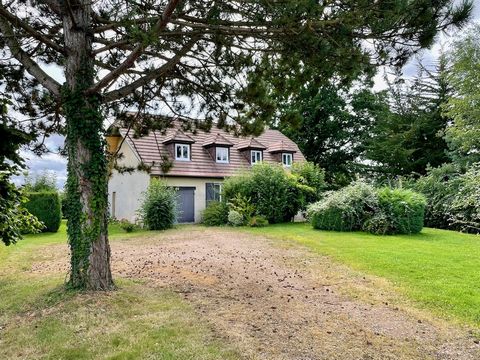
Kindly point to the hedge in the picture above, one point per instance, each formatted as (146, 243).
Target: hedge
(47, 208)
(344, 210)
(362, 207)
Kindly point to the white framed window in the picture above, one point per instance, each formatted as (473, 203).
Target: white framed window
(221, 154)
(213, 192)
(182, 152)
(255, 157)
(287, 159)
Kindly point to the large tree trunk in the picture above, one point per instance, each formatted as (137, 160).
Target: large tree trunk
(87, 201)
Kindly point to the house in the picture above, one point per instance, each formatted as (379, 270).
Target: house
(195, 163)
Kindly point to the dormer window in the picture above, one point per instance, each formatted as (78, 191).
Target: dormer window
(256, 156)
(221, 155)
(287, 159)
(182, 152)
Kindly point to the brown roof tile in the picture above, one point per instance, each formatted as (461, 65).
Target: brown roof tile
(251, 143)
(217, 139)
(152, 147)
(178, 136)
(282, 146)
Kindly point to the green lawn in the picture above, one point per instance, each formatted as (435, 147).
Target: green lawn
(438, 269)
(40, 320)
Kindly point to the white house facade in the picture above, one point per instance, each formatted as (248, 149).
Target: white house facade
(200, 161)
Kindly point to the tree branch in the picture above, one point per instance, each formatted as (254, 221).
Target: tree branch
(31, 66)
(137, 52)
(17, 22)
(152, 75)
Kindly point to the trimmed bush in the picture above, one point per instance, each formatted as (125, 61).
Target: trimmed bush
(159, 206)
(273, 192)
(46, 207)
(216, 214)
(235, 218)
(346, 209)
(403, 210)
(378, 224)
(361, 207)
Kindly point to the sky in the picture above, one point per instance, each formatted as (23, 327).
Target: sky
(54, 163)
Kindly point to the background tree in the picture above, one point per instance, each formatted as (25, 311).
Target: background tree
(463, 135)
(330, 124)
(409, 134)
(187, 57)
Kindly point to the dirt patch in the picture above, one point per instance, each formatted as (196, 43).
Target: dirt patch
(282, 303)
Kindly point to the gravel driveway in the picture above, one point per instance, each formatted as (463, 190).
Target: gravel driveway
(282, 302)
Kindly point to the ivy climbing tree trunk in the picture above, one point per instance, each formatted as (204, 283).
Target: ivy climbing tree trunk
(87, 202)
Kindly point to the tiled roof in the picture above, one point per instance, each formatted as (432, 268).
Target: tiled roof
(217, 139)
(178, 136)
(152, 147)
(251, 143)
(282, 146)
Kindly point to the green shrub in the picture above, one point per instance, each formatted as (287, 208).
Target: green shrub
(258, 221)
(403, 210)
(243, 206)
(158, 210)
(273, 192)
(127, 226)
(216, 214)
(453, 197)
(235, 218)
(465, 206)
(344, 210)
(45, 206)
(377, 224)
(440, 187)
(311, 175)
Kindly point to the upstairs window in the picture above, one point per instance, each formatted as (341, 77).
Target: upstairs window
(287, 159)
(255, 157)
(182, 152)
(221, 154)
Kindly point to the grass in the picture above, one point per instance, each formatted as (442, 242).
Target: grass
(39, 319)
(438, 269)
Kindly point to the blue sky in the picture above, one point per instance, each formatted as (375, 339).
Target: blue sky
(55, 163)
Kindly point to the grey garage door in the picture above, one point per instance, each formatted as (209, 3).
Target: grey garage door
(186, 204)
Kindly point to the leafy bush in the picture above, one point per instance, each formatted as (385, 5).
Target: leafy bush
(158, 210)
(311, 175)
(258, 221)
(361, 207)
(15, 220)
(45, 206)
(453, 197)
(275, 193)
(344, 210)
(216, 214)
(441, 187)
(127, 226)
(243, 206)
(377, 224)
(401, 211)
(465, 206)
(235, 218)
